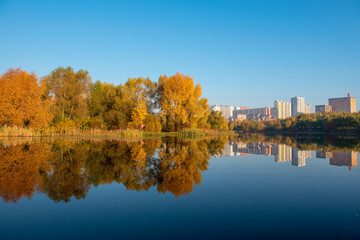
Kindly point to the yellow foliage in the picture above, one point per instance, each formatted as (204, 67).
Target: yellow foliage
(181, 105)
(20, 100)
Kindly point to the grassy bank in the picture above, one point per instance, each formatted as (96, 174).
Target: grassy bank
(6, 131)
(196, 133)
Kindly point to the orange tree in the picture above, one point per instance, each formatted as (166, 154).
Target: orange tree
(20, 100)
(181, 103)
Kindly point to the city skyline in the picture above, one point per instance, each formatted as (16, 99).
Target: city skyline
(284, 109)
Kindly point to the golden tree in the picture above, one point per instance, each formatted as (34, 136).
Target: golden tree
(138, 115)
(20, 100)
(181, 103)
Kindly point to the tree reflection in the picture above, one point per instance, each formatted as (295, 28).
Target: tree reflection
(67, 176)
(180, 165)
(64, 169)
(20, 168)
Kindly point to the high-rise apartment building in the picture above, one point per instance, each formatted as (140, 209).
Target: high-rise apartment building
(298, 106)
(283, 109)
(347, 104)
(227, 111)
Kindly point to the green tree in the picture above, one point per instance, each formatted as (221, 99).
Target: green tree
(69, 90)
(216, 120)
(100, 103)
(137, 95)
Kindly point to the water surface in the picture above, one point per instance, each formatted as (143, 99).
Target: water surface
(245, 188)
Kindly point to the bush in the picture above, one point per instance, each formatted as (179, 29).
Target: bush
(152, 123)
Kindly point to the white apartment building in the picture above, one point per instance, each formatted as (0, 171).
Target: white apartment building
(283, 109)
(298, 106)
(227, 111)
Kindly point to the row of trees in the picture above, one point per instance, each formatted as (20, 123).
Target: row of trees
(66, 169)
(324, 122)
(69, 99)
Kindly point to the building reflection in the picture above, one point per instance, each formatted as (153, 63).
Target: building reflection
(344, 159)
(281, 152)
(323, 154)
(299, 157)
(285, 153)
(339, 158)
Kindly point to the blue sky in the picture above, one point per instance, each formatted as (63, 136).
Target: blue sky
(245, 53)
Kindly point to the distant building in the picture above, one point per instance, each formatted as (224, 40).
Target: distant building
(239, 117)
(255, 113)
(323, 108)
(308, 109)
(347, 104)
(283, 109)
(240, 108)
(227, 111)
(297, 106)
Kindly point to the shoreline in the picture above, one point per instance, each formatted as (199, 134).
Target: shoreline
(341, 133)
(112, 134)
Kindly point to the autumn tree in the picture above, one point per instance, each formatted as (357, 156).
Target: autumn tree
(100, 103)
(21, 100)
(152, 123)
(132, 102)
(216, 120)
(69, 90)
(181, 103)
(138, 115)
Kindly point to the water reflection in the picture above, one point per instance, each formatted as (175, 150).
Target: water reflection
(296, 150)
(281, 152)
(66, 169)
(63, 169)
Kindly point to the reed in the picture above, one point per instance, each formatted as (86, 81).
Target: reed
(7, 131)
(191, 133)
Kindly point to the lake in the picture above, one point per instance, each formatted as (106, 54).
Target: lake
(251, 187)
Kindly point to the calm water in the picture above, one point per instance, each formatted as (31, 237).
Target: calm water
(262, 188)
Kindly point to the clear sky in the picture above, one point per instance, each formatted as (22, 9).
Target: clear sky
(244, 53)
